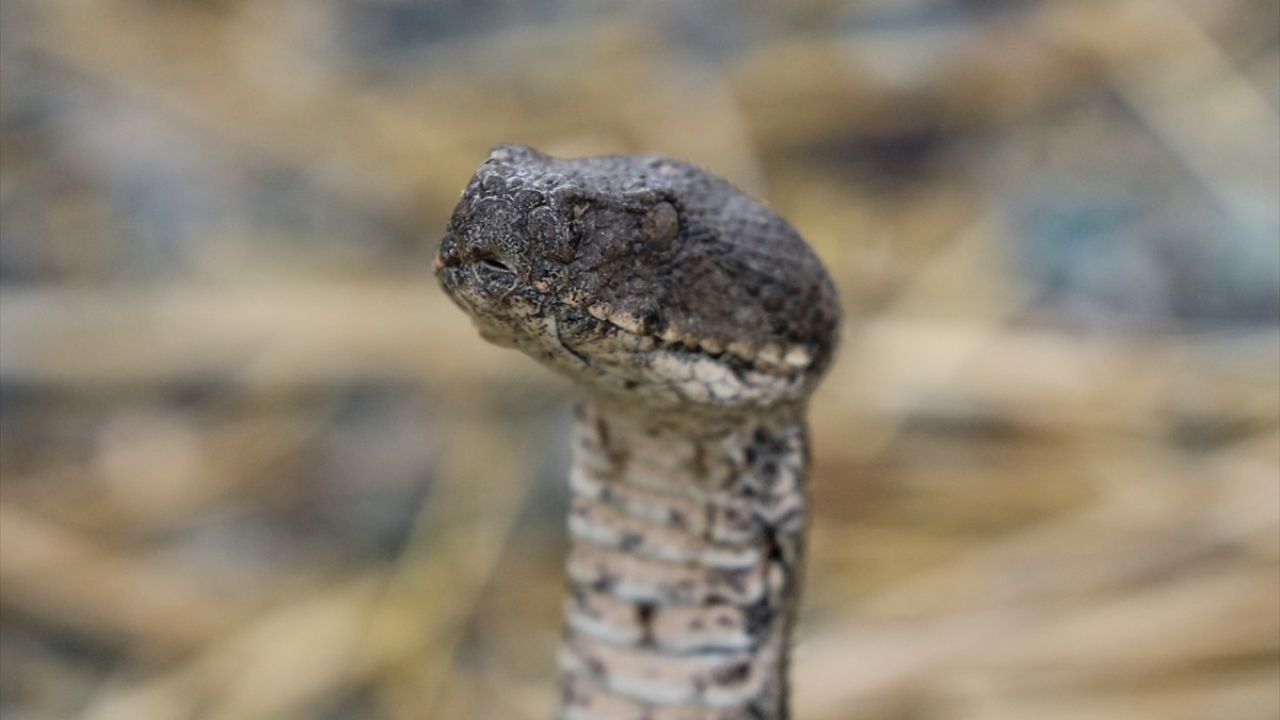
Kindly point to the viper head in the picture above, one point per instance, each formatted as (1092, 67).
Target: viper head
(643, 277)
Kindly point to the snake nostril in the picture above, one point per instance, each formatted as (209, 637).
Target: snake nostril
(495, 264)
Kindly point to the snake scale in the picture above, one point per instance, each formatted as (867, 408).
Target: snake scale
(696, 322)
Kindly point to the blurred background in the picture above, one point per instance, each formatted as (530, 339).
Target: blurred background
(256, 466)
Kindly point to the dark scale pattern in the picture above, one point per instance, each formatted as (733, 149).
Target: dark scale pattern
(684, 638)
(720, 270)
(697, 322)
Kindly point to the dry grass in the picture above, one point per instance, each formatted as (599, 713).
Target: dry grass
(255, 466)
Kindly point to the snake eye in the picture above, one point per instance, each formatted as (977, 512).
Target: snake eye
(662, 226)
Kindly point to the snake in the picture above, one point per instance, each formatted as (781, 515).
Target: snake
(695, 323)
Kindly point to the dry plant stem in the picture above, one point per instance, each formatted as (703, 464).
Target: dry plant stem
(684, 566)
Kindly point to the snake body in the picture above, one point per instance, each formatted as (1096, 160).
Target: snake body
(697, 323)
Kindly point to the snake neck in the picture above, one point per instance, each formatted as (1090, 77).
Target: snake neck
(684, 568)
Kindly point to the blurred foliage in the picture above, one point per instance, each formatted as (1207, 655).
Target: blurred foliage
(255, 466)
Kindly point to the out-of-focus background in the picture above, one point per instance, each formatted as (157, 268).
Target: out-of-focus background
(256, 467)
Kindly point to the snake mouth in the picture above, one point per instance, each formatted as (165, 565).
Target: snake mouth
(645, 369)
(618, 348)
(768, 357)
(484, 287)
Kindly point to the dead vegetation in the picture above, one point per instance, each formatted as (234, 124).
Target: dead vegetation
(256, 467)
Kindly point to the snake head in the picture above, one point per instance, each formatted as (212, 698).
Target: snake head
(643, 277)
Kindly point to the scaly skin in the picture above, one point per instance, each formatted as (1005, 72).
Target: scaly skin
(697, 323)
